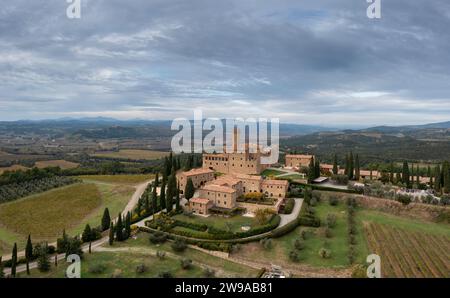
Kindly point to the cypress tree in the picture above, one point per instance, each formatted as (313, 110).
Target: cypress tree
(446, 176)
(350, 166)
(177, 198)
(171, 191)
(317, 168)
(29, 253)
(156, 180)
(405, 175)
(437, 179)
(162, 196)
(56, 260)
(347, 165)
(357, 168)
(128, 225)
(147, 203)
(335, 165)
(2, 274)
(189, 190)
(106, 220)
(119, 228)
(14, 260)
(43, 259)
(311, 171)
(154, 200)
(111, 233)
(391, 172)
(87, 233)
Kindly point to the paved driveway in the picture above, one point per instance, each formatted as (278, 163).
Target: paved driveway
(287, 218)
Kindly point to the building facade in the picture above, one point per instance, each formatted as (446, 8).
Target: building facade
(199, 178)
(298, 160)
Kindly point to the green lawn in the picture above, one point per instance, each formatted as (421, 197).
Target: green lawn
(291, 177)
(231, 268)
(123, 264)
(338, 244)
(233, 223)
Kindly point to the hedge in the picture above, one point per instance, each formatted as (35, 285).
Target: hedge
(289, 207)
(325, 188)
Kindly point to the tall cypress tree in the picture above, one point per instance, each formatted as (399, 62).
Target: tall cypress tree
(311, 171)
(154, 200)
(111, 233)
(317, 168)
(446, 176)
(87, 233)
(405, 175)
(350, 166)
(128, 225)
(156, 180)
(119, 228)
(437, 179)
(14, 260)
(177, 198)
(29, 253)
(162, 196)
(171, 191)
(2, 274)
(335, 165)
(106, 220)
(189, 190)
(357, 168)
(391, 172)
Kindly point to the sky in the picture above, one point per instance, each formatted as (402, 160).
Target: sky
(321, 62)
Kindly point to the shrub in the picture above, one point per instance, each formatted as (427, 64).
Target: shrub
(304, 234)
(331, 220)
(142, 268)
(158, 237)
(317, 195)
(325, 253)
(313, 202)
(179, 245)
(117, 274)
(293, 256)
(253, 196)
(186, 264)
(209, 273)
(165, 274)
(97, 269)
(333, 200)
(309, 221)
(328, 232)
(352, 239)
(266, 243)
(289, 206)
(352, 230)
(161, 254)
(299, 244)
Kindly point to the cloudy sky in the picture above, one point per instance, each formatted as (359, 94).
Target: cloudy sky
(313, 62)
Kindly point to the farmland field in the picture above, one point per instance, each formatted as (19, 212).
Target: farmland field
(63, 164)
(132, 154)
(408, 253)
(118, 179)
(12, 168)
(69, 208)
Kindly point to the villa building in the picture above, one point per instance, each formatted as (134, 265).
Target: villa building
(298, 160)
(200, 206)
(199, 177)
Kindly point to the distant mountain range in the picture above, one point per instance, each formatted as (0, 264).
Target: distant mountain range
(98, 126)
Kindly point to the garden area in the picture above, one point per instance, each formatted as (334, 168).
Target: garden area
(215, 227)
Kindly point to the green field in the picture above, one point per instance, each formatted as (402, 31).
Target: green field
(230, 268)
(338, 244)
(133, 154)
(45, 215)
(118, 179)
(232, 224)
(126, 256)
(120, 264)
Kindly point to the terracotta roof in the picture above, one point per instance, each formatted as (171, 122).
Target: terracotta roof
(198, 171)
(247, 177)
(218, 188)
(199, 201)
(224, 181)
(326, 166)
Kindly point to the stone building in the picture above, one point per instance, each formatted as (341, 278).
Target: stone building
(200, 205)
(199, 178)
(298, 160)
